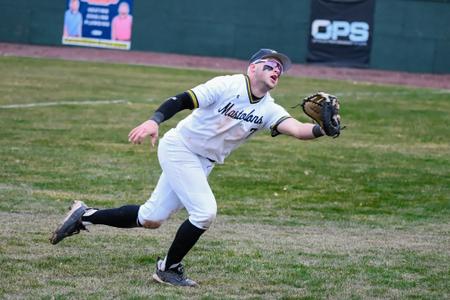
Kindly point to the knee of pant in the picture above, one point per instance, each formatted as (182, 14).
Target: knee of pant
(151, 224)
(203, 220)
(148, 219)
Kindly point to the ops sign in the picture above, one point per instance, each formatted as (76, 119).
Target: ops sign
(340, 32)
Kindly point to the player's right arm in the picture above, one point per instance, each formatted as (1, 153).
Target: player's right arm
(167, 109)
(202, 95)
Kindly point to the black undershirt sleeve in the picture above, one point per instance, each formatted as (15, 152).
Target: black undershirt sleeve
(171, 106)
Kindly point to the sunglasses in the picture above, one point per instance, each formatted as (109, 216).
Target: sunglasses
(270, 65)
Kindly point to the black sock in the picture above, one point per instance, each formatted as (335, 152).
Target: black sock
(122, 217)
(186, 237)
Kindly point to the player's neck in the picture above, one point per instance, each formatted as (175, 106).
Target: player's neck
(258, 89)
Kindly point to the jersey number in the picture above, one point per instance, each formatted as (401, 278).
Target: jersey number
(252, 131)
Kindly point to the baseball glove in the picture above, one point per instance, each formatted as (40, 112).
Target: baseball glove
(323, 108)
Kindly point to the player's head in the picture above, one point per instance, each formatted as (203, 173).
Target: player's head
(267, 65)
(266, 54)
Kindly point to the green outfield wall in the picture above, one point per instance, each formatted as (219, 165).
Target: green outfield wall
(408, 35)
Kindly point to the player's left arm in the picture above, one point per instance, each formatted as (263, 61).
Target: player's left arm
(297, 129)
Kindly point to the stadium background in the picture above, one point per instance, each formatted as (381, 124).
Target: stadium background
(365, 216)
(409, 35)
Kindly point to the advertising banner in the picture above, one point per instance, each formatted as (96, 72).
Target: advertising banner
(341, 32)
(98, 23)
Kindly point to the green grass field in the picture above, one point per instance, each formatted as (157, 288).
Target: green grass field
(364, 216)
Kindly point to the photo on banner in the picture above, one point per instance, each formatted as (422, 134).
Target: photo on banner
(98, 23)
(341, 32)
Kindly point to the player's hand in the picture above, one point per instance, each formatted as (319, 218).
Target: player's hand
(148, 128)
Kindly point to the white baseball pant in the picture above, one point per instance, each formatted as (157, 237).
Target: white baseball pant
(183, 183)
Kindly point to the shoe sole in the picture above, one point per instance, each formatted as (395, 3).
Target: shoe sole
(76, 212)
(159, 280)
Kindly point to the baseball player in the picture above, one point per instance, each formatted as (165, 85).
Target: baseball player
(226, 112)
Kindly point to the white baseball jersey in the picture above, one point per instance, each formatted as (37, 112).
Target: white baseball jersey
(226, 115)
